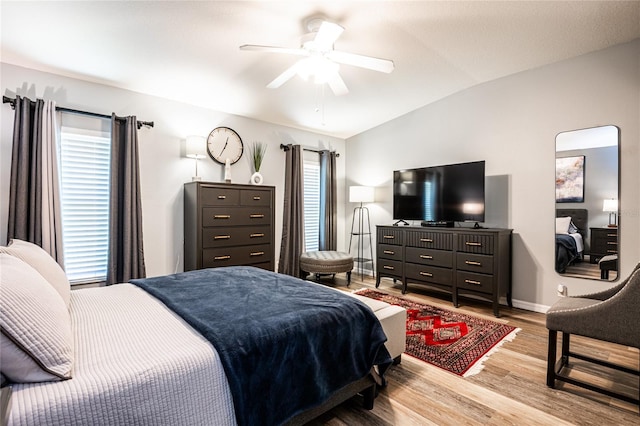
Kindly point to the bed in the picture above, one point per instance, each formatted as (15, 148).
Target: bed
(571, 229)
(135, 361)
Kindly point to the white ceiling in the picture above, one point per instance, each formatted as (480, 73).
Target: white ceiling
(188, 51)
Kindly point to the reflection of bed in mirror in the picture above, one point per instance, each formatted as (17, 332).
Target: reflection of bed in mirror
(571, 231)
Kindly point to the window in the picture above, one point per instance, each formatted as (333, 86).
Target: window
(84, 189)
(311, 204)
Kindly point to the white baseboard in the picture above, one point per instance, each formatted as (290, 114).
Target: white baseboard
(528, 306)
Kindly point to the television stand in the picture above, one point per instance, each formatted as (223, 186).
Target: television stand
(401, 221)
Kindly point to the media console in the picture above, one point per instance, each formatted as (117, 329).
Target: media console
(457, 260)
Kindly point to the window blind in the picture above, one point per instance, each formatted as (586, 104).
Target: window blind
(84, 179)
(311, 205)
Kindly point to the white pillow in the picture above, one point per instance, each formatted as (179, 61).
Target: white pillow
(36, 343)
(562, 225)
(42, 262)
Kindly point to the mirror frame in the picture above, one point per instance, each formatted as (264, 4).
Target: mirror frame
(601, 270)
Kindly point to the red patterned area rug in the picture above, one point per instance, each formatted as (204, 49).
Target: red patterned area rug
(453, 341)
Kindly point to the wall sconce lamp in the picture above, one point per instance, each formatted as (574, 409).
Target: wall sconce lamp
(196, 149)
(611, 206)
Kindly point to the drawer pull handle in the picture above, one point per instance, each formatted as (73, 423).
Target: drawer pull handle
(426, 240)
(391, 268)
(256, 216)
(612, 251)
(256, 235)
(612, 243)
(222, 216)
(222, 197)
(612, 235)
(471, 262)
(425, 256)
(388, 237)
(256, 253)
(222, 258)
(222, 237)
(473, 282)
(469, 243)
(389, 252)
(426, 274)
(257, 198)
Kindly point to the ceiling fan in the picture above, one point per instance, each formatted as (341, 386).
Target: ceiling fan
(320, 60)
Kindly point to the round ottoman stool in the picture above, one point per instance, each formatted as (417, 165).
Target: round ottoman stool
(326, 262)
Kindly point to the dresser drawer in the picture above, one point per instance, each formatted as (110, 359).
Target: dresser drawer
(231, 256)
(432, 240)
(429, 257)
(481, 263)
(219, 196)
(256, 197)
(477, 282)
(235, 236)
(429, 273)
(476, 243)
(390, 236)
(223, 216)
(390, 267)
(387, 251)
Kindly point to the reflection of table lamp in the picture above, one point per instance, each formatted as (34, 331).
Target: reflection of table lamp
(473, 209)
(611, 206)
(196, 148)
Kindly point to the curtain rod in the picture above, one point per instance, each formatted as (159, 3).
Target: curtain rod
(286, 148)
(12, 102)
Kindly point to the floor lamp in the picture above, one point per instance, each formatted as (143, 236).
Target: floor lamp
(361, 194)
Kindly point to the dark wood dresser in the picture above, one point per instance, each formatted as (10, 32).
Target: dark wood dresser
(228, 225)
(457, 260)
(604, 241)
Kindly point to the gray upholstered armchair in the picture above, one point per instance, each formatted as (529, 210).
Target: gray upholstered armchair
(612, 315)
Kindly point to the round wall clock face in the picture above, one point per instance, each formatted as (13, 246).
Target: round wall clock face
(224, 143)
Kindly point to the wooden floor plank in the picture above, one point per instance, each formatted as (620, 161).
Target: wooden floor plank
(511, 389)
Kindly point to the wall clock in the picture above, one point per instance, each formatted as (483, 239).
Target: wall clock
(224, 143)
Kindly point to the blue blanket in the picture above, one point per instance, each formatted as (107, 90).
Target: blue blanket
(286, 345)
(566, 252)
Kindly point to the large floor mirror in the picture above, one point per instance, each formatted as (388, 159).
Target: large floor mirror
(587, 196)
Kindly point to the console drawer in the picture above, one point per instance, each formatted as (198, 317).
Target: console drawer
(223, 216)
(477, 282)
(218, 236)
(432, 240)
(231, 256)
(429, 257)
(387, 251)
(219, 196)
(255, 197)
(390, 236)
(476, 243)
(481, 263)
(432, 274)
(390, 267)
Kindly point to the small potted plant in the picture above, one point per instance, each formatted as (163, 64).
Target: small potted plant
(258, 151)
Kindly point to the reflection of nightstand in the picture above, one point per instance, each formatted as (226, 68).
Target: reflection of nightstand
(604, 241)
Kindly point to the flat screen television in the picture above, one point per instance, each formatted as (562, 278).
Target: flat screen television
(448, 193)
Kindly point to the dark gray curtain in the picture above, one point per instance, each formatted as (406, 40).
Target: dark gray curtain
(126, 254)
(328, 238)
(292, 244)
(25, 193)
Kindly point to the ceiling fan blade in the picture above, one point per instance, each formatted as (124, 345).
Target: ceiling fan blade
(274, 49)
(337, 85)
(368, 62)
(284, 77)
(328, 34)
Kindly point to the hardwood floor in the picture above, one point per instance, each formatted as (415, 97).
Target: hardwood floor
(511, 389)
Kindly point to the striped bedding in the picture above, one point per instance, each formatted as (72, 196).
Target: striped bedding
(136, 363)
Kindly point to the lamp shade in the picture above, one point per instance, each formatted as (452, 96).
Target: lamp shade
(196, 147)
(361, 194)
(610, 205)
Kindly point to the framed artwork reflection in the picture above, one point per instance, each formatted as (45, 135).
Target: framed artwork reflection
(570, 179)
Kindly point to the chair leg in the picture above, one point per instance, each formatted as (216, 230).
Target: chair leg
(565, 348)
(551, 358)
(348, 278)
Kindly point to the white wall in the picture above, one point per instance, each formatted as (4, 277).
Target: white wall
(512, 124)
(162, 165)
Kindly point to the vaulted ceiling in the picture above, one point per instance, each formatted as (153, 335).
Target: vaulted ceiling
(189, 51)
